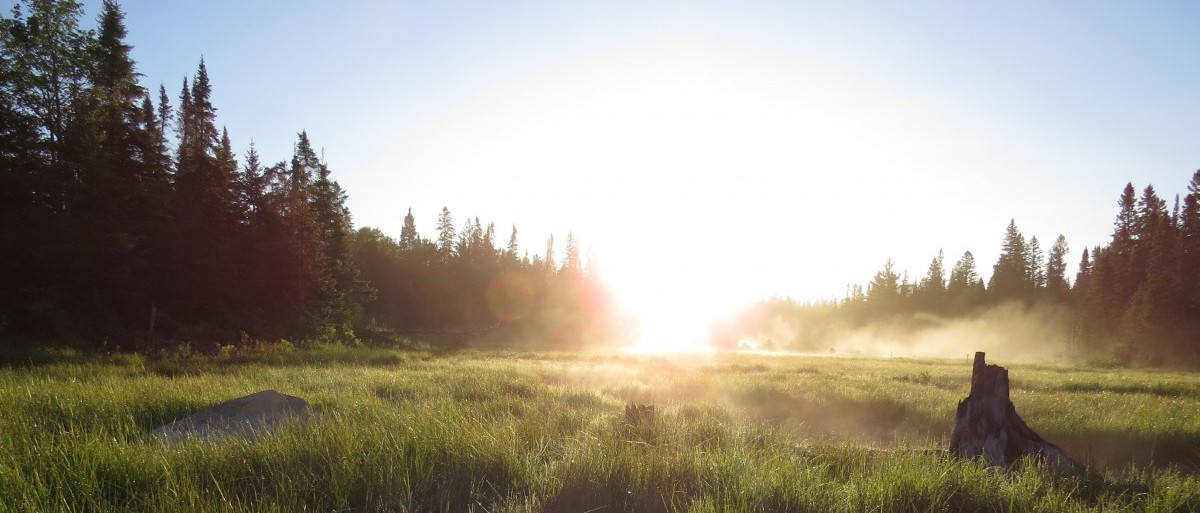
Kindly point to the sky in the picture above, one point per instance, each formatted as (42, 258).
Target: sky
(709, 154)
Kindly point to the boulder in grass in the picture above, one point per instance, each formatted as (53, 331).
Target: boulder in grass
(244, 416)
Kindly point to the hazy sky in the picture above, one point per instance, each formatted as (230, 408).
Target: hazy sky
(711, 153)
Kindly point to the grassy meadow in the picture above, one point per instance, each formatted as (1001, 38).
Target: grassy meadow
(491, 431)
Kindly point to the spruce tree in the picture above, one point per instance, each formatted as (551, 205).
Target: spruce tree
(408, 233)
(330, 315)
(512, 243)
(227, 169)
(291, 256)
(572, 265)
(935, 277)
(550, 262)
(1036, 262)
(930, 292)
(165, 116)
(1010, 275)
(205, 215)
(1085, 269)
(1121, 250)
(965, 288)
(963, 276)
(1056, 269)
(883, 293)
(251, 187)
(123, 181)
(203, 114)
(446, 235)
(1189, 225)
(1126, 223)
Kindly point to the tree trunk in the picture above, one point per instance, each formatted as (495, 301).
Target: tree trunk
(987, 425)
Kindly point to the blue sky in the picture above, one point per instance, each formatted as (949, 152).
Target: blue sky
(730, 150)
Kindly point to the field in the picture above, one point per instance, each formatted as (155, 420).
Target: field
(488, 431)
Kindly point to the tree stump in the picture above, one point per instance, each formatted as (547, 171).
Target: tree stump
(987, 425)
(639, 413)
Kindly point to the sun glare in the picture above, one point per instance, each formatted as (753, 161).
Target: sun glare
(704, 177)
(672, 311)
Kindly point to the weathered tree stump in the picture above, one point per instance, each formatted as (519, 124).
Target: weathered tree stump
(987, 425)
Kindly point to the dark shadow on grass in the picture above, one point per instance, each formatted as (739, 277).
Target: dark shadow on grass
(151, 416)
(1117, 450)
(1154, 389)
(842, 418)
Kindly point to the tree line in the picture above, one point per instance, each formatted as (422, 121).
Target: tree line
(1136, 299)
(127, 219)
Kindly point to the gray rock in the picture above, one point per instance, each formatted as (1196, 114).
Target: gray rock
(244, 416)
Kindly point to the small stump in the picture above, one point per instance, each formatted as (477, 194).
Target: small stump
(987, 425)
(639, 413)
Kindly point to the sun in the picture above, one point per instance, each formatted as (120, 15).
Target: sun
(668, 332)
(672, 310)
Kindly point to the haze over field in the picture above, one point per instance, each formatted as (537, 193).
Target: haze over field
(712, 154)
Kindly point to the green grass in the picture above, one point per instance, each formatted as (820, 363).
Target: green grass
(546, 432)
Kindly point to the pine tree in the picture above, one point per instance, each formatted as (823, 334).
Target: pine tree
(227, 167)
(153, 146)
(1010, 275)
(1149, 328)
(252, 186)
(935, 277)
(964, 290)
(123, 184)
(1151, 215)
(446, 235)
(183, 125)
(883, 293)
(408, 232)
(1036, 262)
(1189, 225)
(113, 68)
(1122, 250)
(289, 255)
(964, 276)
(512, 243)
(931, 290)
(203, 114)
(330, 315)
(1056, 269)
(489, 240)
(165, 115)
(470, 240)
(572, 264)
(305, 164)
(1125, 226)
(206, 215)
(1085, 269)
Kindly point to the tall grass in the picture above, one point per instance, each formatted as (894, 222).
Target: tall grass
(546, 432)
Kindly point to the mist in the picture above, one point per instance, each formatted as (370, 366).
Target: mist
(1020, 332)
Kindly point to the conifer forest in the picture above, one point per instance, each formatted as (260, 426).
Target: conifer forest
(128, 220)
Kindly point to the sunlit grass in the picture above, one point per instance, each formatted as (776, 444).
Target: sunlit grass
(546, 432)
